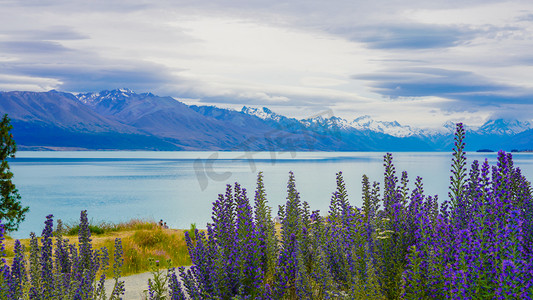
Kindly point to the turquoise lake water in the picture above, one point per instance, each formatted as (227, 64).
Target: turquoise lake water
(179, 187)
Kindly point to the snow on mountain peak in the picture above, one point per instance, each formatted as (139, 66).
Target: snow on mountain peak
(364, 123)
(262, 113)
(122, 92)
(366, 119)
(391, 128)
(504, 127)
(95, 98)
(331, 122)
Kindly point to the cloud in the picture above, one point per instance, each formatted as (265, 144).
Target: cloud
(98, 75)
(455, 58)
(75, 6)
(31, 47)
(528, 17)
(409, 36)
(79, 71)
(277, 95)
(516, 112)
(68, 59)
(321, 81)
(462, 86)
(55, 33)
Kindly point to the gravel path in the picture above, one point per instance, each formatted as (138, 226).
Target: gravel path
(134, 284)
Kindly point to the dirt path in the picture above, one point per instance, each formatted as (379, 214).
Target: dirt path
(134, 284)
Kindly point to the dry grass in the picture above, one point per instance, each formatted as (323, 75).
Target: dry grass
(141, 240)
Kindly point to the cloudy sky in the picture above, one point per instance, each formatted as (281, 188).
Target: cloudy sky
(418, 62)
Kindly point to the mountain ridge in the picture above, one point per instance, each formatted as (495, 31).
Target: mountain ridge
(124, 120)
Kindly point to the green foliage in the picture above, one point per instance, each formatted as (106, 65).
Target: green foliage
(156, 243)
(410, 249)
(95, 229)
(157, 285)
(371, 199)
(457, 179)
(417, 281)
(367, 286)
(109, 227)
(63, 271)
(192, 232)
(12, 213)
(150, 239)
(266, 229)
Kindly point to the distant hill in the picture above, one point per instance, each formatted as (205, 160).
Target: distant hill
(55, 120)
(521, 141)
(124, 120)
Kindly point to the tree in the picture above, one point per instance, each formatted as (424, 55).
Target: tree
(11, 211)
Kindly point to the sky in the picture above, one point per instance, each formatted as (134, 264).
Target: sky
(421, 63)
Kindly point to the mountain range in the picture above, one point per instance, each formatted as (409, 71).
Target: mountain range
(124, 120)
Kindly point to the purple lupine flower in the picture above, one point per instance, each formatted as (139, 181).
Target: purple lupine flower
(118, 261)
(2, 247)
(84, 238)
(174, 286)
(18, 271)
(46, 261)
(475, 244)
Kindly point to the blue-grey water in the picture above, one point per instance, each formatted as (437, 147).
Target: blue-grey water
(179, 187)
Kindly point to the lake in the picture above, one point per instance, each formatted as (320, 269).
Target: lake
(179, 187)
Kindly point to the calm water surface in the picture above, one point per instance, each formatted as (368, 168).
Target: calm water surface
(179, 187)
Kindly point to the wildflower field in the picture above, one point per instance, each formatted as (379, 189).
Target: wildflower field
(401, 244)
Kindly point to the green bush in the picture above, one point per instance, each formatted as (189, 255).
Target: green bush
(95, 229)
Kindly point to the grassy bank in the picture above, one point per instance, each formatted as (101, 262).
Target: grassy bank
(141, 240)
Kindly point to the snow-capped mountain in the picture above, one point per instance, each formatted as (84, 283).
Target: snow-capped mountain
(272, 119)
(446, 129)
(262, 113)
(330, 123)
(504, 127)
(499, 127)
(364, 123)
(391, 128)
(123, 119)
(95, 98)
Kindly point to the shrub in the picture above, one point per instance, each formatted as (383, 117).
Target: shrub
(107, 227)
(94, 229)
(63, 271)
(159, 244)
(192, 232)
(400, 244)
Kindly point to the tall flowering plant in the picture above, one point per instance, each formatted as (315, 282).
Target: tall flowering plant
(401, 244)
(237, 256)
(66, 272)
(479, 246)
